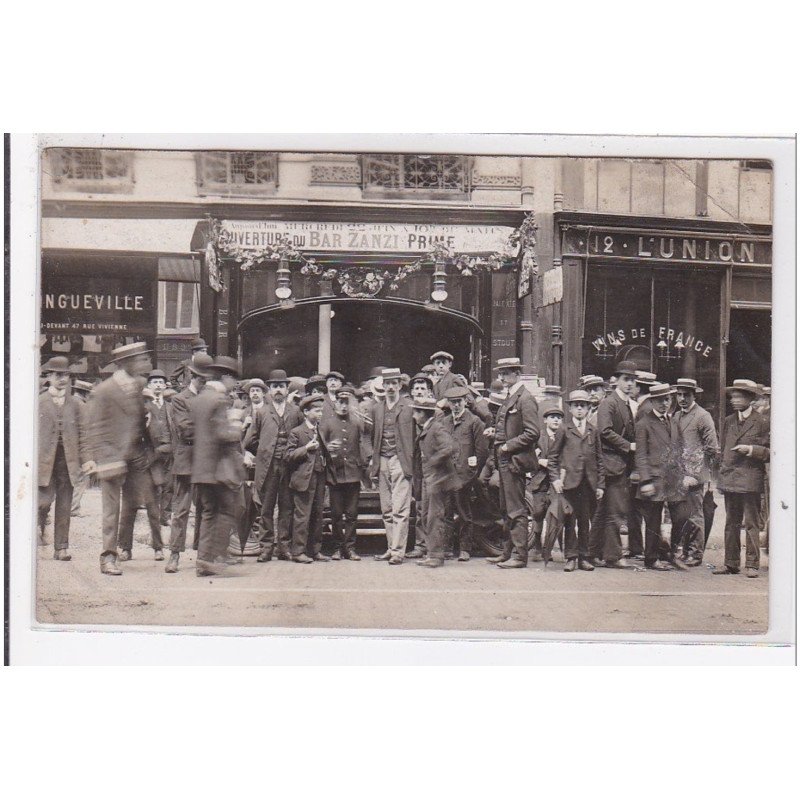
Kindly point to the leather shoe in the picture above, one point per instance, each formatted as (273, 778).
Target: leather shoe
(571, 565)
(205, 568)
(585, 564)
(172, 564)
(497, 559)
(125, 555)
(693, 562)
(678, 565)
(431, 562)
(659, 566)
(302, 559)
(395, 560)
(512, 563)
(723, 570)
(284, 555)
(265, 555)
(596, 562)
(536, 555)
(751, 573)
(351, 555)
(320, 557)
(384, 556)
(159, 555)
(62, 555)
(336, 555)
(110, 567)
(463, 556)
(615, 564)
(416, 553)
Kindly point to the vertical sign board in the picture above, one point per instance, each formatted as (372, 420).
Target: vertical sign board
(504, 315)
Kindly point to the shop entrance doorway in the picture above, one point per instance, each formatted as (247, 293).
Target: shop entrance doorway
(750, 348)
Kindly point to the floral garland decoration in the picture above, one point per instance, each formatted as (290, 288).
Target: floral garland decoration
(367, 281)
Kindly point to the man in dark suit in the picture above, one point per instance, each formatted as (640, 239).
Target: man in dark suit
(307, 458)
(159, 426)
(436, 450)
(182, 445)
(617, 441)
(446, 380)
(348, 448)
(471, 449)
(217, 465)
(118, 449)
(267, 438)
(63, 452)
(516, 434)
(658, 463)
(333, 382)
(745, 450)
(576, 470)
(594, 386)
(392, 463)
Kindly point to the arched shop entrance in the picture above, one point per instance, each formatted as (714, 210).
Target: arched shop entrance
(357, 335)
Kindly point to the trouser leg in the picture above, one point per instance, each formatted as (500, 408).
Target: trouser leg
(197, 499)
(132, 496)
(165, 499)
(512, 491)
(462, 499)
(153, 508)
(301, 520)
(734, 513)
(285, 510)
(336, 494)
(653, 547)
(435, 523)
(692, 530)
(208, 500)
(269, 497)
(582, 499)
(181, 505)
(228, 504)
(352, 494)
(400, 487)
(314, 544)
(617, 501)
(111, 490)
(635, 518)
(385, 497)
(77, 492)
(63, 487)
(598, 530)
(752, 528)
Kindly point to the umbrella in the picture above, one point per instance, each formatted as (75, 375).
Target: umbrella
(559, 509)
(709, 507)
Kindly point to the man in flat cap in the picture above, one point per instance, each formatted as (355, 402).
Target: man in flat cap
(118, 449)
(593, 385)
(64, 456)
(182, 447)
(348, 448)
(421, 386)
(699, 454)
(308, 459)
(443, 362)
(333, 382)
(470, 451)
(392, 463)
(745, 450)
(267, 439)
(615, 423)
(516, 434)
(217, 465)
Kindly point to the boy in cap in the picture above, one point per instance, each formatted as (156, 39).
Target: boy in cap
(470, 451)
(182, 446)
(576, 470)
(421, 388)
(699, 452)
(64, 456)
(443, 362)
(307, 457)
(118, 449)
(745, 450)
(438, 478)
(537, 492)
(348, 448)
(217, 465)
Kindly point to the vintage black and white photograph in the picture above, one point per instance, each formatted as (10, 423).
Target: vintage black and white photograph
(374, 390)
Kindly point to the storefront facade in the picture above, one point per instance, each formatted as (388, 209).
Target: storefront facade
(681, 298)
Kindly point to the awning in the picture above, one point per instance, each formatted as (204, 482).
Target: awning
(185, 270)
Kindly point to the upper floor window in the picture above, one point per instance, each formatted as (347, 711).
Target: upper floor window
(91, 170)
(244, 172)
(178, 307)
(434, 175)
(757, 164)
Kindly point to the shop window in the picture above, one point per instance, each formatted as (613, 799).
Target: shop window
(237, 173)
(402, 174)
(91, 170)
(178, 307)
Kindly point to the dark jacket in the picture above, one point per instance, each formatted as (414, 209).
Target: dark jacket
(699, 444)
(262, 436)
(658, 462)
(217, 456)
(159, 441)
(517, 427)
(303, 462)
(116, 427)
(737, 472)
(577, 457)
(436, 450)
(346, 462)
(468, 440)
(182, 431)
(540, 477)
(73, 436)
(404, 431)
(449, 381)
(617, 431)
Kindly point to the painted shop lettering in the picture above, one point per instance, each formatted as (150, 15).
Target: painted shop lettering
(677, 248)
(680, 340)
(95, 302)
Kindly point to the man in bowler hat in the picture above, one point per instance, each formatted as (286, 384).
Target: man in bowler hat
(63, 452)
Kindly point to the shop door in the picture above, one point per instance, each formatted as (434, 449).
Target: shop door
(750, 349)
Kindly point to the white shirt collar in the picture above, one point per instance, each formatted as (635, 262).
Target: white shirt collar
(746, 413)
(515, 388)
(622, 395)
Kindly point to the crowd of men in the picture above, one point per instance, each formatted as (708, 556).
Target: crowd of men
(609, 460)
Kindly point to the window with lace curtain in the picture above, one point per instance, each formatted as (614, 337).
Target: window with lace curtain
(237, 173)
(91, 170)
(444, 176)
(178, 307)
